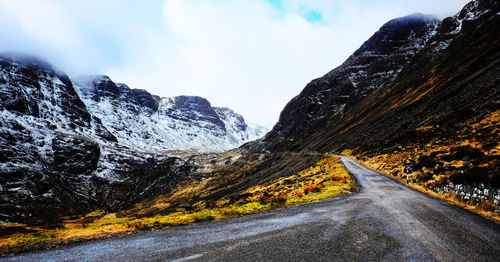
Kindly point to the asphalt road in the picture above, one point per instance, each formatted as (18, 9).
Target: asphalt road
(385, 221)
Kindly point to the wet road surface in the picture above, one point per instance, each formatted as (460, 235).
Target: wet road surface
(385, 221)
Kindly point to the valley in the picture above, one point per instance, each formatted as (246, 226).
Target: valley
(384, 221)
(393, 155)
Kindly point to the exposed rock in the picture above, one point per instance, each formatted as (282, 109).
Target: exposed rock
(375, 64)
(141, 120)
(60, 155)
(391, 86)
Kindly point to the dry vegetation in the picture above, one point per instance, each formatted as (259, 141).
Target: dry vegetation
(470, 156)
(328, 178)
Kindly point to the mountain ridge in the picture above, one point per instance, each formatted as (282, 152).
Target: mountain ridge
(377, 62)
(57, 157)
(436, 119)
(158, 123)
(419, 97)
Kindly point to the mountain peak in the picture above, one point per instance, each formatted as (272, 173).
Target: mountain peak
(142, 120)
(192, 101)
(90, 79)
(30, 61)
(397, 33)
(375, 64)
(413, 18)
(98, 85)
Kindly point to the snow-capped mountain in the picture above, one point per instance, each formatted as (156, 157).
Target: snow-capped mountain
(414, 71)
(66, 151)
(147, 122)
(374, 65)
(50, 145)
(67, 147)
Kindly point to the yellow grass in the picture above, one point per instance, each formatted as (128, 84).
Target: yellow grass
(103, 225)
(471, 135)
(377, 163)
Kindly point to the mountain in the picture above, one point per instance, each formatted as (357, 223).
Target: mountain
(292, 145)
(420, 95)
(69, 149)
(374, 65)
(45, 138)
(141, 120)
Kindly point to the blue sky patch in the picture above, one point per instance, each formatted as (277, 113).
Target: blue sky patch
(277, 4)
(313, 16)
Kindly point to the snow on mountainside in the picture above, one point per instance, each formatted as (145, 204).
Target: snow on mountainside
(452, 26)
(60, 155)
(236, 127)
(49, 149)
(374, 65)
(141, 120)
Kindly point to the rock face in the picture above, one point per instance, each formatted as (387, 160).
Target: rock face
(67, 149)
(340, 110)
(141, 120)
(46, 145)
(474, 194)
(374, 65)
(414, 74)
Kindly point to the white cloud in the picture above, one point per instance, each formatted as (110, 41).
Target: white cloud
(247, 55)
(50, 28)
(251, 61)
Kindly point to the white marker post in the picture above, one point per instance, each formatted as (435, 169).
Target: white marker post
(407, 171)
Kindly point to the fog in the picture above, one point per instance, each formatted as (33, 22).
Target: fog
(251, 56)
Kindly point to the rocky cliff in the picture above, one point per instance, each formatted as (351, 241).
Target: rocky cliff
(141, 120)
(420, 94)
(374, 65)
(70, 148)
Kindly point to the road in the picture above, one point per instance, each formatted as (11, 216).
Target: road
(385, 221)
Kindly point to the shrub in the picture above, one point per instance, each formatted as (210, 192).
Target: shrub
(203, 216)
(137, 225)
(229, 211)
(337, 177)
(264, 200)
(278, 200)
(47, 235)
(299, 194)
(313, 188)
(487, 205)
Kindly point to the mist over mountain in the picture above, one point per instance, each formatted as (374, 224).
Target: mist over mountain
(72, 146)
(419, 97)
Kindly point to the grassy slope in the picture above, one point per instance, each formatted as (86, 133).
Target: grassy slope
(327, 178)
(483, 208)
(470, 155)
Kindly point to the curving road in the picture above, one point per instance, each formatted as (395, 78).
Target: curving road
(385, 221)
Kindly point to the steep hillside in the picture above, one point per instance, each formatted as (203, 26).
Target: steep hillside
(421, 96)
(48, 155)
(141, 120)
(60, 155)
(375, 64)
(435, 115)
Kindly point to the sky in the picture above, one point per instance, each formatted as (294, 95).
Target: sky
(252, 56)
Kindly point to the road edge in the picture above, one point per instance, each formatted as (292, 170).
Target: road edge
(400, 181)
